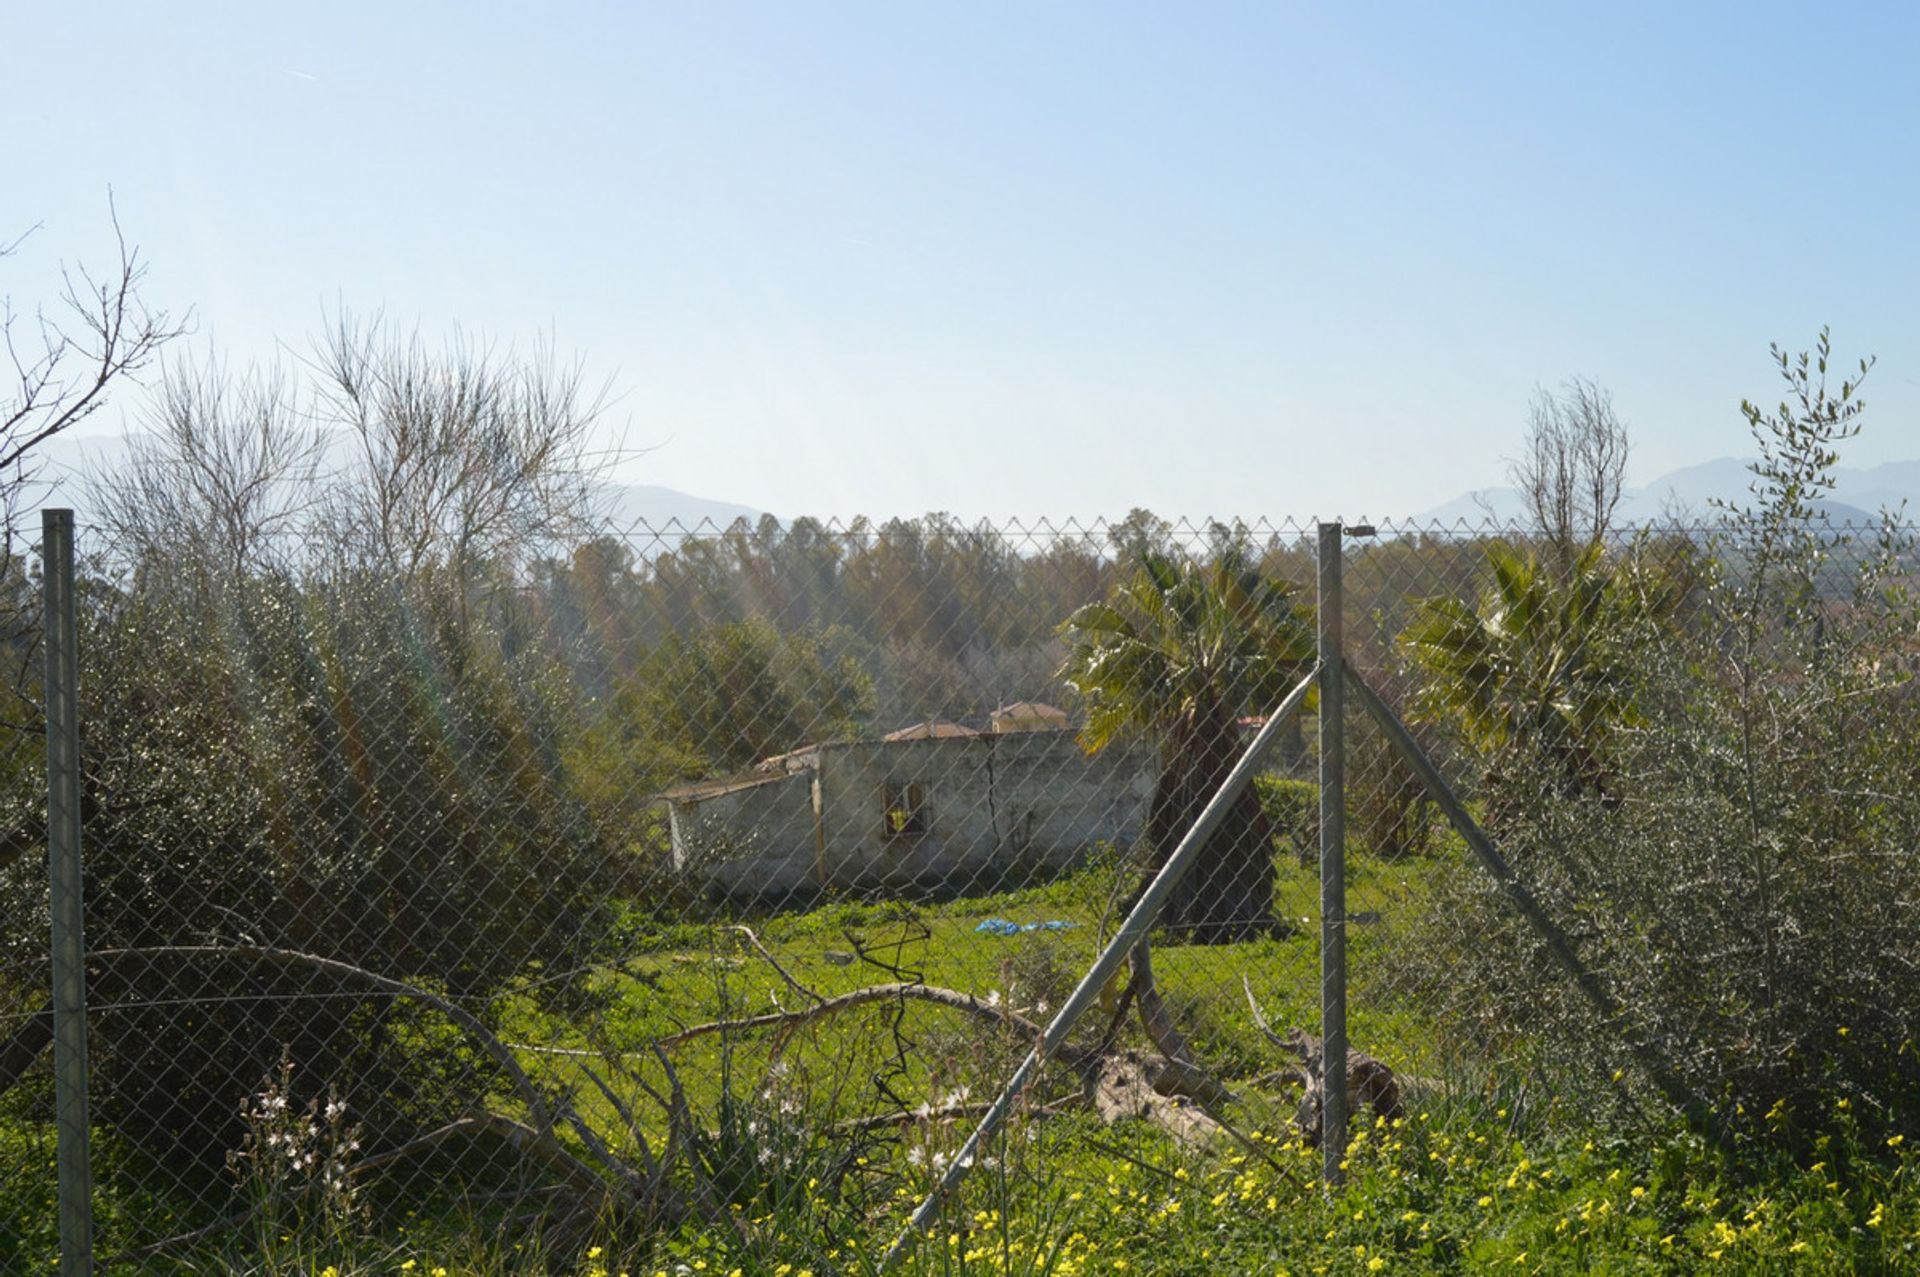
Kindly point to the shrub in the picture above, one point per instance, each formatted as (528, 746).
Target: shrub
(1739, 882)
(344, 769)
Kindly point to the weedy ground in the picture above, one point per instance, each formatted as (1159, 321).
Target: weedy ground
(1469, 1180)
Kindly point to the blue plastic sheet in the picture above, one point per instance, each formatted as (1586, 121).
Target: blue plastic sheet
(1001, 927)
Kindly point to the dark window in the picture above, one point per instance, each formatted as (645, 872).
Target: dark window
(906, 812)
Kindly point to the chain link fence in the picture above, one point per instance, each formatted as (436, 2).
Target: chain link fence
(719, 879)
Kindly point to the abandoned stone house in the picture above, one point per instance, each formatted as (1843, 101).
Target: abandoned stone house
(940, 811)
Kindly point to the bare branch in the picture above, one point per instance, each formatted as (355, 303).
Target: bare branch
(773, 962)
(225, 478)
(108, 333)
(460, 457)
(953, 998)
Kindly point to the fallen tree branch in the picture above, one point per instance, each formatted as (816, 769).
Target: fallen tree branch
(901, 990)
(634, 1132)
(1172, 1092)
(908, 1117)
(682, 1134)
(948, 1113)
(540, 1147)
(1154, 1016)
(1126, 1085)
(1260, 1016)
(1370, 1083)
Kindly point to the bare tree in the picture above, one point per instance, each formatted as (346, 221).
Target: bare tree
(1572, 472)
(458, 457)
(63, 361)
(375, 452)
(227, 475)
(66, 358)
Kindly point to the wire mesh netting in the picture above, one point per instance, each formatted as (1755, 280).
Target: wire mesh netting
(716, 879)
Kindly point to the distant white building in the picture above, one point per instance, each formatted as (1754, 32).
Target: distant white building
(937, 812)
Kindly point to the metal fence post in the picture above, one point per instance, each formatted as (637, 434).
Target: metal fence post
(63, 871)
(1333, 864)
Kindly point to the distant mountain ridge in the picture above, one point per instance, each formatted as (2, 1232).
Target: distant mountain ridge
(648, 505)
(1689, 493)
(638, 508)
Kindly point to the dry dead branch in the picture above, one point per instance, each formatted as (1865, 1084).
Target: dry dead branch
(787, 1021)
(1370, 1084)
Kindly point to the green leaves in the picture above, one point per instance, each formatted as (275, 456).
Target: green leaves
(1179, 641)
(1542, 658)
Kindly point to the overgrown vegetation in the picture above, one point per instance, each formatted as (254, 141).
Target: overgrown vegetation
(376, 718)
(1725, 808)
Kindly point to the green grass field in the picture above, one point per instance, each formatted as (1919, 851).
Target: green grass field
(690, 976)
(1468, 1181)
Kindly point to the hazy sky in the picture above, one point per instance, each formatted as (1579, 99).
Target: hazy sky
(1024, 258)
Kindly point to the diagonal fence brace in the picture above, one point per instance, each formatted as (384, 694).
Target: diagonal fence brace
(1698, 1114)
(1132, 931)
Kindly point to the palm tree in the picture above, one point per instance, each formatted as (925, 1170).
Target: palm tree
(1176, 653)
(1543, 659)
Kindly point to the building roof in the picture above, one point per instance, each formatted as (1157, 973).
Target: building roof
(1030, 709)
(932, 728)
(793, 760)
(1028, 716)
(700, 790)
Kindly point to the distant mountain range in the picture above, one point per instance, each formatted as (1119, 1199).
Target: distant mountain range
(1858, 496)
(1688, 492)
(632, 505)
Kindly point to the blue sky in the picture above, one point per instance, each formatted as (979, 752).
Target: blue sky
(1023, 259)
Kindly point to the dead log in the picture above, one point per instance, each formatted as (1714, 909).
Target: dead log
(1127, 1084)
(1370, 1084)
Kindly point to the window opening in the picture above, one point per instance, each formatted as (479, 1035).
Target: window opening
(906, 810)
